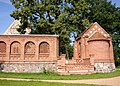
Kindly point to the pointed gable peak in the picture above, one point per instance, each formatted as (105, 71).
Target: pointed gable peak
(93, 29)
(12, 29)
(97, 35)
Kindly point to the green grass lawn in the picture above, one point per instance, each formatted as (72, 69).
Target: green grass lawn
(53, 76)
(32, 83)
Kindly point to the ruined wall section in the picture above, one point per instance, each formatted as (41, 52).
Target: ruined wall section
(22, 53)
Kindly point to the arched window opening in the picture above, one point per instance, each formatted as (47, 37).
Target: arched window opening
(15, 48)
(2, 47)
(44, 48)
(29, 48)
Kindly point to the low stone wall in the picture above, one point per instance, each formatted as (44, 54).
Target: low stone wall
(40, 67)
(104, 67)
(28, 67)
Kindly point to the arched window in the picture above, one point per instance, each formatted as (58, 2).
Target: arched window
(2, 47)
(44, 48)
(29, 48)
(15, 48)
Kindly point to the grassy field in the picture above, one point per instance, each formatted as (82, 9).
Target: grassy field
(53, 76)
(32, 83)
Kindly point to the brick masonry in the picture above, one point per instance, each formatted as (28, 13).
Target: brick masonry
(95, 43)
(28, 53)
(28, 48)
(93, 52)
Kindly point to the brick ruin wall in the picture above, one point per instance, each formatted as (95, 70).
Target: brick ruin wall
(28, 53)
(32, 53)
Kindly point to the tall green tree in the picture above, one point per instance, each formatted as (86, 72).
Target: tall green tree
(61, 17)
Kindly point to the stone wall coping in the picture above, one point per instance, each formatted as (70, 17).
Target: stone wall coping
(30, 35)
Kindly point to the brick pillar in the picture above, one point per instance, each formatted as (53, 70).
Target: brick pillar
(57, 49)
(86, 48)
(22, 51)
(36, 51)
(75, 54)
(7, 51)
(82, 48)
(111, 51)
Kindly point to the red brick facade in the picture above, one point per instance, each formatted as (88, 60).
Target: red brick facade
(95, 43)
(28, 48)
(93, 52)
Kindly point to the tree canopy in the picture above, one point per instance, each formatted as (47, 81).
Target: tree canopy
(61, 17)
(68, 18)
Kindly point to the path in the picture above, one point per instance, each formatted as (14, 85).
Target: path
(115, 81)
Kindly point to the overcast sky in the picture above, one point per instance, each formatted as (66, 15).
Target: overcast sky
(6, 9)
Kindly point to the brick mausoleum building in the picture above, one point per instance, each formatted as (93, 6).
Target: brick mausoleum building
(93, 52)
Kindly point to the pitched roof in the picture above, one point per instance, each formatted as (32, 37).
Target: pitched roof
(94, 30)
(12, 28)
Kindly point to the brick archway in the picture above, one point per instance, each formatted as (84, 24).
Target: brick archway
(2, 50)
(15, 48)
(44, 47)
(2, 47)
(29, 50)
(44, 50)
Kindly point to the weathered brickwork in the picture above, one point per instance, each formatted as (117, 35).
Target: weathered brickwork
(28, 48)
(93, 52)
(19, 52)
(96, 43)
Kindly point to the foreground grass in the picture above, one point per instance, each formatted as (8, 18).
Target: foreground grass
(53, 76)
(32, 83)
